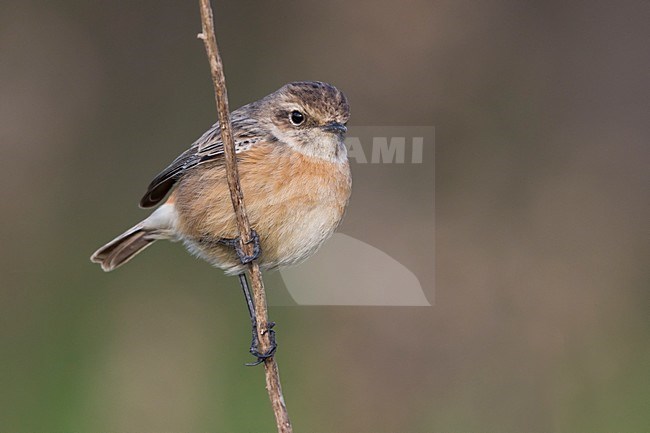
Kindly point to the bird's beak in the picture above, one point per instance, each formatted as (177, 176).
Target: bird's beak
(335, 127)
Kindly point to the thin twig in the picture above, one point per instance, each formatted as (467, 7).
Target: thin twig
(259, 295)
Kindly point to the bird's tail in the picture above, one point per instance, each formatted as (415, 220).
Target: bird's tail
(123, 248)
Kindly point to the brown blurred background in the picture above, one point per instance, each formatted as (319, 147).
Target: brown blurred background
(540, 322)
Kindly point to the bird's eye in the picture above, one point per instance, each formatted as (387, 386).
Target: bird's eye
(296, 117)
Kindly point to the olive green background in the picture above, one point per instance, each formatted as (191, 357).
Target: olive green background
(540, 322)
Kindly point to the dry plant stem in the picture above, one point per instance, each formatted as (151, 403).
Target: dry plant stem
(259, 295)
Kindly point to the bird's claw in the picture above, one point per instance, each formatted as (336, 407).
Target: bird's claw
(257, 250)
(236, 243)
(255, 344)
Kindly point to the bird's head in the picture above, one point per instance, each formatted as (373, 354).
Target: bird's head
(311, 117)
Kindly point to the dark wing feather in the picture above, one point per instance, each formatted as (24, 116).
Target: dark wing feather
(246, 132)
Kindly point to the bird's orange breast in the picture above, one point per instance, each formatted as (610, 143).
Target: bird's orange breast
(294, 202)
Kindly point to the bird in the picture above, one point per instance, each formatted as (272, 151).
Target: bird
(294, 174)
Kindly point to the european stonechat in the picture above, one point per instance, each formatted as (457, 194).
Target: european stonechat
(294, 173)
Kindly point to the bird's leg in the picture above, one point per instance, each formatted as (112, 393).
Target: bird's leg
(236, 244)
(255, 343)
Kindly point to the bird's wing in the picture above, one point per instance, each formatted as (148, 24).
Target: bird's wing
(246, 133)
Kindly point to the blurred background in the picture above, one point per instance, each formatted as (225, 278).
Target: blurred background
(540, 321)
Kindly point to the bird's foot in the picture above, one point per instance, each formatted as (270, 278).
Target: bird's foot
(255, 345)
(237, 245)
